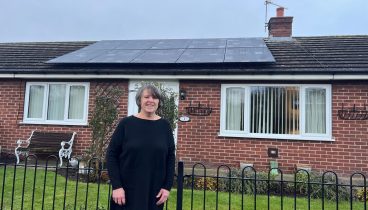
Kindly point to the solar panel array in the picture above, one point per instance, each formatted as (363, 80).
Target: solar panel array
(233, 50)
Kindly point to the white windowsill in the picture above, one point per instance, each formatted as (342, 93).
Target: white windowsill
(275, 136)
(52, 123)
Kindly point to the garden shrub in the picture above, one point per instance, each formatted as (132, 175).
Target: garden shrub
(360, 194)
(199, 183)
(316, 186)
(208, 183)
(273, 186)
(248, 182)
(104, 117)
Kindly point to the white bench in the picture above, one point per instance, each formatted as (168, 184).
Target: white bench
(46, 143)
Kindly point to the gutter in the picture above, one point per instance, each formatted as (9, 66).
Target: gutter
(189, 77)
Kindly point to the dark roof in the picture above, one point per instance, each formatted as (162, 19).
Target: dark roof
(171, 51)
(322, 54)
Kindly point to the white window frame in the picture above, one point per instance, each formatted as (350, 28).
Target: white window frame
(66, 121)
(302, 92)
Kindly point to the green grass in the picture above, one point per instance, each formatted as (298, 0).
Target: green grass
(275, 202)
(49, 201)
(56, 202)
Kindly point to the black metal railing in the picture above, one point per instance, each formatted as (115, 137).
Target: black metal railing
(42, 184)
(300, 190)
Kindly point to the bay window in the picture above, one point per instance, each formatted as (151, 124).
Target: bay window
(276, 111)
(56, 103)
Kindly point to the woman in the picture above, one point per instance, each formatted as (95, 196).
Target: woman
(141, 156)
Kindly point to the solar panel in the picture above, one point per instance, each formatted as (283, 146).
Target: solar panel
(202, 56)
(235, 50)
(135, 44)
(79, 56)
(207, 43)
(171, 44)
(248, 54)
(246, 42)
(116, 56)
(159, 56)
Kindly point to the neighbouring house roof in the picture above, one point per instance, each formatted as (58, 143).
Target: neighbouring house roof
(299, 55)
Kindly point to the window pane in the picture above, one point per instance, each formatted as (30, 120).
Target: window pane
(235, 109)
(56, 103)
(76, 102)
(274, 110)
(315, 110)
(35, 103)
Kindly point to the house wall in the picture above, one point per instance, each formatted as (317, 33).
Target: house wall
(11, 115)
(198, 140)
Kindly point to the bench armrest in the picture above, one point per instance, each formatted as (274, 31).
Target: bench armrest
(20, 142)
(70, 142)
(63, 143)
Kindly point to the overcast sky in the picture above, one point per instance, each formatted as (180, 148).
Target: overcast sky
(78, 20)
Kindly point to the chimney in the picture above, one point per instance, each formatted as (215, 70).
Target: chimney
(280, 26)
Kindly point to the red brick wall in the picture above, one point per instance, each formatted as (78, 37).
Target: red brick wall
(198, 140)
(280, 26)
(11, 115)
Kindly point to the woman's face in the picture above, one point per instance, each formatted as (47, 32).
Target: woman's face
(149, 103)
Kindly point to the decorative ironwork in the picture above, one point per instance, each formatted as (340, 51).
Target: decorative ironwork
(198, 110)
(353, 113)
(95, 189)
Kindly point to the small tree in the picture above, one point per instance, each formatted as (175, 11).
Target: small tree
(103, 121)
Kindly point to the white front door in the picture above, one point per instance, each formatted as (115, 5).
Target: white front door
(132, 106)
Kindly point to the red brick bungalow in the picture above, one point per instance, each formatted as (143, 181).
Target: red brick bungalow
(290, 103)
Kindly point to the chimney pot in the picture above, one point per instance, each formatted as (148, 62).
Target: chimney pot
(280, 12)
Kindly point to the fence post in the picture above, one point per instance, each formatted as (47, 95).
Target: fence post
(180, 179)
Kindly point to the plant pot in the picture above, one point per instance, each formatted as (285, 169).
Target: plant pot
(73, 162)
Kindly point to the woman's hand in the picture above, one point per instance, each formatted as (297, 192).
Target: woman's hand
(118, 196)
(163, 195)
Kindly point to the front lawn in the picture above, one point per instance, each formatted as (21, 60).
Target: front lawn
(72, 193)
(57, 191)
(275, 202)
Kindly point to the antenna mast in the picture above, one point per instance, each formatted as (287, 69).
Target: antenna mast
(266, 4)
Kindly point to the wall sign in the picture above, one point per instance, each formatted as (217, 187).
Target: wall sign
(198, 110)
(184, 118)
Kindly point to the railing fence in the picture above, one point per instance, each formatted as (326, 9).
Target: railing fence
(35, 184)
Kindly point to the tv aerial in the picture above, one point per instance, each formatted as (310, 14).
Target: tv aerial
(266, 4)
